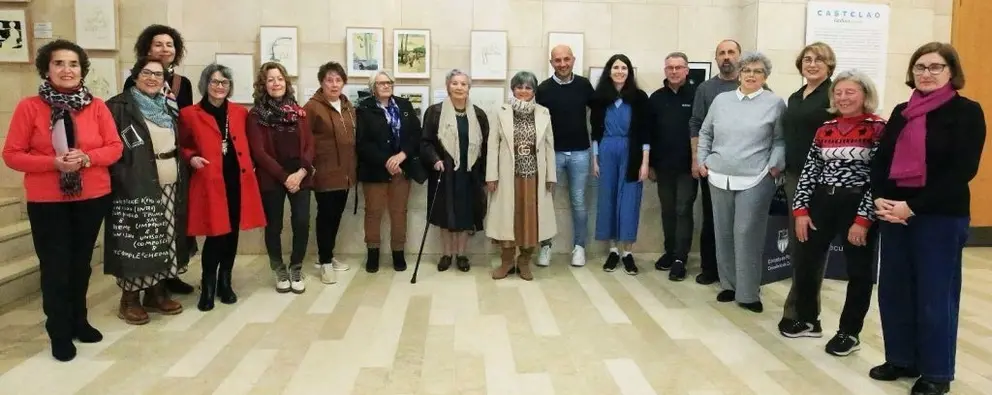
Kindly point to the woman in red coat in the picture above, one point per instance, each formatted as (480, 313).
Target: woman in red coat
(223, 193)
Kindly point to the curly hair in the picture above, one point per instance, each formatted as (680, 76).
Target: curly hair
(144, 43)
(44, 56)
(260, 77)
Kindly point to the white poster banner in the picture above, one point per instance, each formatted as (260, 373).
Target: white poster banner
(858, 34)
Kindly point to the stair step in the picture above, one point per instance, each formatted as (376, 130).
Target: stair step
(15, 241)
(10, 210)
(19, 278)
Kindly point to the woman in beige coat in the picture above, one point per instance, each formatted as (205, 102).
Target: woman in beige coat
(520, 177)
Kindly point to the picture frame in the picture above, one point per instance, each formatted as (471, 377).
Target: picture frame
(96, 24)
(418, 95)
(364, 51)
(412, 53)
(280, 44)
(488, 98)
(243, 68)
(102, 77)
(489, 55)
(16, 44)
(576, 41)
(699, 72)
(355, 92)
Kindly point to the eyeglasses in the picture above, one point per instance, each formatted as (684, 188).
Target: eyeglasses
(934, 69)
(383, 84)
(675, 68)
(152, 74)
(817, 61)
(220, 83)
(753, 71)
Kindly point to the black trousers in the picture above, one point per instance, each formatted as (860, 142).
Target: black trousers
(220, 251)
(832, 213)
(274, 203)
(330, 208)
(707, 238)
(64, 235)
(677, 194)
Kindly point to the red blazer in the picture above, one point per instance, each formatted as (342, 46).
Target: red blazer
(200, 136)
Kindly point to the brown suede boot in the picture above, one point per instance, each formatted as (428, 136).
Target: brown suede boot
(130, 310)
(156, 300)
(506, 263)
(523, 263)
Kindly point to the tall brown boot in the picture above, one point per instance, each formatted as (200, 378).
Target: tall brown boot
(130, 310)
(156, 299)
(523, 263)
(506, 263)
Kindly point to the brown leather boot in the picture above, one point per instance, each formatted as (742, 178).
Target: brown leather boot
(156, 300)
(523, 263)
(506, 263)
(130, 310)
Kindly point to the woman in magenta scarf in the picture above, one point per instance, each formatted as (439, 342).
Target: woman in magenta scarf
(928, 153)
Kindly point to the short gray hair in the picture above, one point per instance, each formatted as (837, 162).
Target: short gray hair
(374, 77)
(454, 73)
(524, 78)
(679, 55)
(208, 72)
(755, 57)
(866, 84)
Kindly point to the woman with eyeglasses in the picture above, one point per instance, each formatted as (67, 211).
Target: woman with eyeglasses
(144, 240)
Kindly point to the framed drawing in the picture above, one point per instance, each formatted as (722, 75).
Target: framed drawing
(355, 92)
(364, 48)
(280, 44)
(96, 24)
(418, 95)
(102, 78)
(489, 55)
(412, 53)
(699, 72)
(243, 69)
(15, 38)
(488, 98)
(576, 41)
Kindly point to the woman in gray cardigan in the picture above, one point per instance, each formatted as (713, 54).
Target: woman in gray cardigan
(741, 151)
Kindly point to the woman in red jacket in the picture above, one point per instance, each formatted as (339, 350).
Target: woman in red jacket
(63, 140)
(223, 192)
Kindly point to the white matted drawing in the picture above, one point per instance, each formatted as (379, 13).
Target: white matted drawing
(575, 41)
(280, 44)
(365, 55)
(243, 74)
(412, 53)
(418, 95)
(96, 24)
(355, 92)
(15, 40)
(102, 78)
(488, 98)
(489, 55)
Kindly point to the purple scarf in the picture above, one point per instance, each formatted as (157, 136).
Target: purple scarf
(909, 161)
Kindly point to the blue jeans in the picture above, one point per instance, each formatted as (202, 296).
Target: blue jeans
(574, 166)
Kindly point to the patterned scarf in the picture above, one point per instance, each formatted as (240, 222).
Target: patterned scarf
(154, 109)
(63, 129)
(393, 118)
(520, 106)
(281, 115)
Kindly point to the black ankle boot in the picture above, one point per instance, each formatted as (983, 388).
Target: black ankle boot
(927, 387)
(399, 261)
(63, 349)
(224, 289)
(372, 262)
(208, 290)
(177, 286)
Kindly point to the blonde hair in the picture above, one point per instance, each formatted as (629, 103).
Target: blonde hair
(867, 86)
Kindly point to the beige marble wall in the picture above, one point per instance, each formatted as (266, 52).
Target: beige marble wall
(646, 30)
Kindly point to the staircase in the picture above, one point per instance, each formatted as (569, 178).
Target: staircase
(19, 274)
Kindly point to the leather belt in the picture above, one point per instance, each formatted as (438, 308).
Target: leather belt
(834, 190)
(525, 150)
(166, 155)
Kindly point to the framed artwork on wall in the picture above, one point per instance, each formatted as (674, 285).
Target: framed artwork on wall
(96, 24)
(489, 58)
(412, 53)
(699, 72)
(242, 67)
(280, 44)
(418, 95)
(488, 98)
(15, 35)
(365, 55)
(102, 78)
(576, 41)
(355, 92)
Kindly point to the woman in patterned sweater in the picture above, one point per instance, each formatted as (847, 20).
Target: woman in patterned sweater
(833, 198)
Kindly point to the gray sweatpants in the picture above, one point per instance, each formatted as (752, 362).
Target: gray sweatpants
(740, 219)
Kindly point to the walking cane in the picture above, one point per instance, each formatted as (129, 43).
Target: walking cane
(427, 226)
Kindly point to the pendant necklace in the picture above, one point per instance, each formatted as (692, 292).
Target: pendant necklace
(225, 136)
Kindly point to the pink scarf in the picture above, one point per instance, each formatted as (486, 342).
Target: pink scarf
(909, 161)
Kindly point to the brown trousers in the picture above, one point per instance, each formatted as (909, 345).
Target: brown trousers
(378, 197)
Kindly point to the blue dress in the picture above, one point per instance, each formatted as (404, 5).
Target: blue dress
(618, 206)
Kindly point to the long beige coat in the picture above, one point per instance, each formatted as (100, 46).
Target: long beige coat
(499, 167)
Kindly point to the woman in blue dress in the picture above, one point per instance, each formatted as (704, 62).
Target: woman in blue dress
(621, 125)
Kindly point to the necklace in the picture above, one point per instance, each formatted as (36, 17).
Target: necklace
(225, 135)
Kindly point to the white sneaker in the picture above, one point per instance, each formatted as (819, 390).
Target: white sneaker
(297, 281)
(337, 265)
(327, 274)
(282, 280)
(544, 257)
(578, 256)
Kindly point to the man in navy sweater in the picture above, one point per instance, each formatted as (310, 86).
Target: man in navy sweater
(567, 96)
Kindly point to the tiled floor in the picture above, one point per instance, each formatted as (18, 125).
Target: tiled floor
(570, 332)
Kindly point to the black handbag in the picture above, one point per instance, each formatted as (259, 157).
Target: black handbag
(415, 171)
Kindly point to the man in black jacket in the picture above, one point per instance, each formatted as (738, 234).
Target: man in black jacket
(671, 163)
